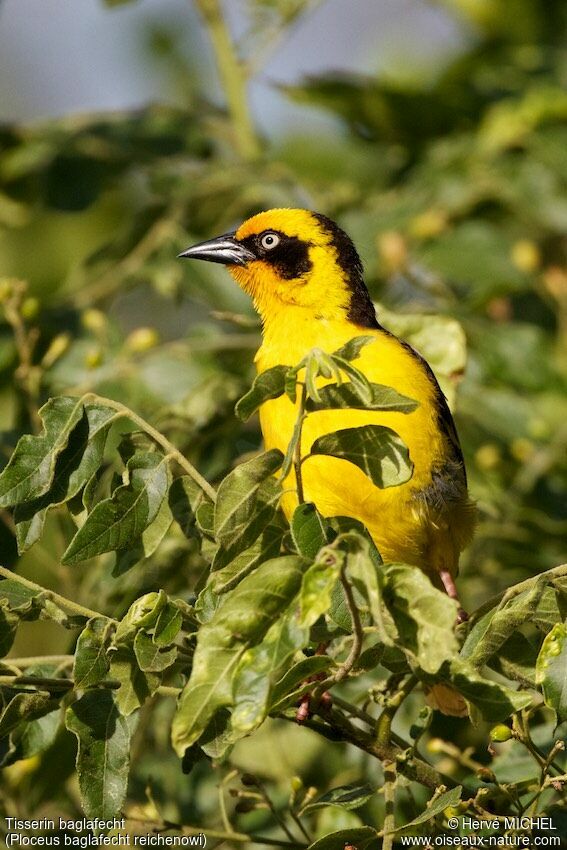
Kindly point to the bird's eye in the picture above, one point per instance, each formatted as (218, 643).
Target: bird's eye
(269, 241)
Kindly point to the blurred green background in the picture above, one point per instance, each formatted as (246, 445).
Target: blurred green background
(435, 133)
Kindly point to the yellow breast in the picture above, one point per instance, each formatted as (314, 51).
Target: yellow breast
(336, 486)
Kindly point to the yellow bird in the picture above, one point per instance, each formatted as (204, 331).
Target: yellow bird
(305, 279)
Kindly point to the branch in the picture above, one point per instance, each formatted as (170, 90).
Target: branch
(27, 375)
(32, 660)
(51, 594)
(334, 726)
(159, 439)
(384, 725)
(298, 431)
(357, 636)
(233, 78)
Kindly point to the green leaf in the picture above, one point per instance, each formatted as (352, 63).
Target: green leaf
(351, 350)
(309, 531)
(22, 600)
(348, 395)
(266, 546)
(150, 657)
(241, 621)
(317, 586)
(360, 838)
(424, 617)
(440, 339)
(296, 680)
(34, 736)
(492, 631)
(259, 668)
(115, 522)
(551, 671)
(168, 625)
(91, 662)
(136, 686)
(493, 701)
(29, 472)
(74, 467)
(267, 385)
(247, 500)
(363, 564)
(218, 737)
(377, 450)
(142, 614)
(145, 546)
(25, 706)
(435, 807)
(103, 754)
(348, 797)
(185, 498)
(360, 383)
(516, 659)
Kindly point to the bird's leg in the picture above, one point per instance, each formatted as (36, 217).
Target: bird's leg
(306, 703)
(451, 591)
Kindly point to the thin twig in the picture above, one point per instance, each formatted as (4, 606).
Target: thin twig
(232, 74)
(357, 633)
(297, 460)
(32, 660)
(159, 438)
(384, 724)
(27, 375)
(334, 726)
(51, 594)
(275, 814)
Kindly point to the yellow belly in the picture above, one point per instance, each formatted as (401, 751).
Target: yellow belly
(397, 521)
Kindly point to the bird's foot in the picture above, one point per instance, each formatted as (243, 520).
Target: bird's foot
(451, 591)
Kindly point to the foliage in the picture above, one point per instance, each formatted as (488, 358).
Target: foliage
(160, 622)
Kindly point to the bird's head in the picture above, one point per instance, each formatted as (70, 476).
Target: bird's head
(294, 258)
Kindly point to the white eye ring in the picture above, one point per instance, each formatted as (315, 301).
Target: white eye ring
(269, 241)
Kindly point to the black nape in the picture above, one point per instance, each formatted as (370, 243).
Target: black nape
(361, 309)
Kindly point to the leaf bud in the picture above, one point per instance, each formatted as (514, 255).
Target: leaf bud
(428, 224)
(6, 289)
(521, 449)
(142, 339)
(93, 358)
(436, 745)
(525, 255)
(500, 733)
(488, 456)
(57, 348)
(30, 308)
(393, 251)
(93, 320)
(296, 784)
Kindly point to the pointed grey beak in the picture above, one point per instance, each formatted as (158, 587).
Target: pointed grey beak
(223, 249)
